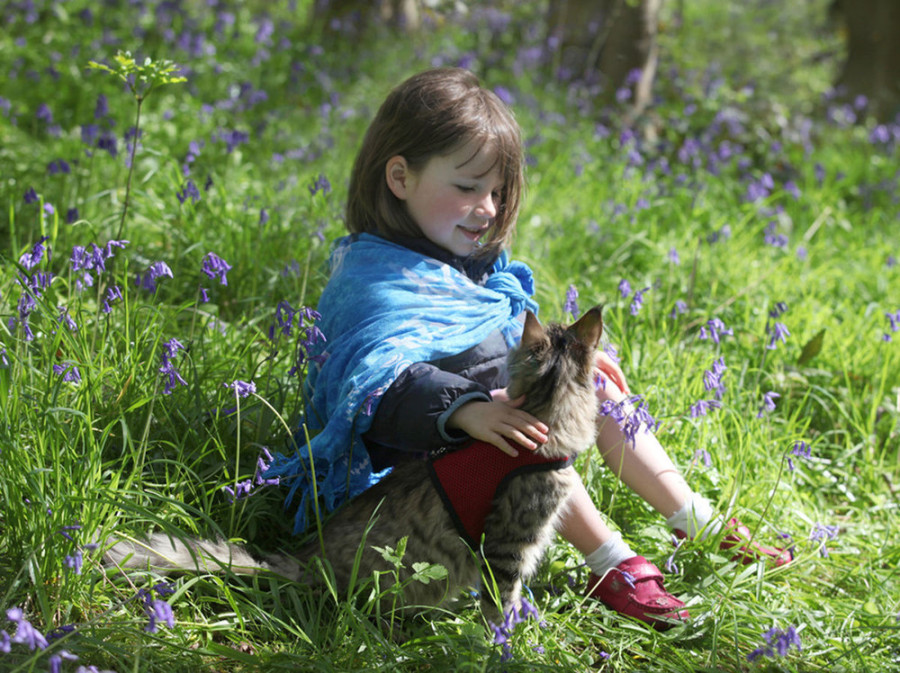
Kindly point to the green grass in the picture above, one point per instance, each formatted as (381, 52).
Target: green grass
(114, 453)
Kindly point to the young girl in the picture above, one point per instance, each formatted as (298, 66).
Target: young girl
(420, 311)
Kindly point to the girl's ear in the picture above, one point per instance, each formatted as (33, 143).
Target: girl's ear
(396, 172)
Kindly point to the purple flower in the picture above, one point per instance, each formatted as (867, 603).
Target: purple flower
(216, 267)
(674, 257)
(715, 329)
(188, 191)
(113, 293)
(679, 308)
(571, 302)
(69, 373)
(263, 216)
(703, 407)
(242, 388)
(75, 561)
(801, 449)
(101, 109)
(768, 403)
(159, 611)
(637, 301)
(504, 94)
(44, 113)
(779, 331)
(34, 256)
(167, 367)
(321, 184)
(31, 195)
(25, 633)
(624, 288)
(822, 533)
(242, 489)
(148, 279)
(59, 166)
(631, 418)
(778, 643)
(55, 661)
(503, 632)
(704, 457)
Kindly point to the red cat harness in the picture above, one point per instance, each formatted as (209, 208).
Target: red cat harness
(469, 478)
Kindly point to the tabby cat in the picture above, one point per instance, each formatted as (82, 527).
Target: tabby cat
(553, 368)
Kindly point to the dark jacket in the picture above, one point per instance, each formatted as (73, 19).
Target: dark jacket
(411, 416)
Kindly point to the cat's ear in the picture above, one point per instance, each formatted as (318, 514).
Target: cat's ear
(589, 327)
(532, 332)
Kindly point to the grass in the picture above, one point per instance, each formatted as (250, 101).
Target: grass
(269, 114)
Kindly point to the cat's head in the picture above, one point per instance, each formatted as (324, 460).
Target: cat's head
(555, 362)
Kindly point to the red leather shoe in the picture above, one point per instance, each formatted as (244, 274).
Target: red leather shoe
(635, 588)
(739, 539)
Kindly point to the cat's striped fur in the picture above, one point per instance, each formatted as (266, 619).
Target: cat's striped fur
(553, 368)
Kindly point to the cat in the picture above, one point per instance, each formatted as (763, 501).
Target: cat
(553, 368)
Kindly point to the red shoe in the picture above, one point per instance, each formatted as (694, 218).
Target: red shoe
(739, 539)
(635, 588)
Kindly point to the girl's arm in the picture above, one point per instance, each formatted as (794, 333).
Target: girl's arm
(412, 413)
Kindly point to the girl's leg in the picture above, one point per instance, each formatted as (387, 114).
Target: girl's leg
(645, 467)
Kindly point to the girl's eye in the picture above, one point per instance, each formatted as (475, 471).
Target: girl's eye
(465, 189)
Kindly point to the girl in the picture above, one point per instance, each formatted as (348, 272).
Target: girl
(419, 313)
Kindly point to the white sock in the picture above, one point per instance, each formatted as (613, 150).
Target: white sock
(695, 515)
(608, 555)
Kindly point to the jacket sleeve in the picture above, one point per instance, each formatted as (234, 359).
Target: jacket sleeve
(412, 414)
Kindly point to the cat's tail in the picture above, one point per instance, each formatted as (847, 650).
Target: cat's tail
(169, 553)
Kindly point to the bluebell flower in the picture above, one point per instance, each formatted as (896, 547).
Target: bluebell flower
(637, 301)
(242, 388)
(69, 373)
(571, 306)
(74, 561)
(679, 308)
(215, 267)
(823, 533)
(242, 489)
(320, 184)
(778, 643)
(188, 191)
(263, 217)
(72, 215)
(703, 407)
(33, 257)
(31, 196)
(54, 662)
(44, 113)
(147, 280)
(778, 332)
(101, 109)
(25, 633)
(113, 294)
(624, 288)
(768, 403)
(159, 611)
(674, 257)
(715, 329)
(167, 367)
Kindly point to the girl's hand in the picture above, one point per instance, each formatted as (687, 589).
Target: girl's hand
(608, 369)
(495, 422)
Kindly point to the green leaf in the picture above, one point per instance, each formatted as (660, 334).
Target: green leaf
(425, 572)
(812, 348)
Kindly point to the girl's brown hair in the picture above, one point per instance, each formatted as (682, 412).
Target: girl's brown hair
(433, 114)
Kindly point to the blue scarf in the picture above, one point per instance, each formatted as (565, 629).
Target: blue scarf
(385, 307)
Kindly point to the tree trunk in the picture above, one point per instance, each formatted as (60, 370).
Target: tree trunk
(872, 68)
(612, 39)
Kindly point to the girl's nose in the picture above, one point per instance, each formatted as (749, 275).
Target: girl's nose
(487, 207)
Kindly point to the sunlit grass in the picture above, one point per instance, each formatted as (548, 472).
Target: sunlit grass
(670, 207)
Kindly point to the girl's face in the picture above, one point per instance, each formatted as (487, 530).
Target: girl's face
(453, 198)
